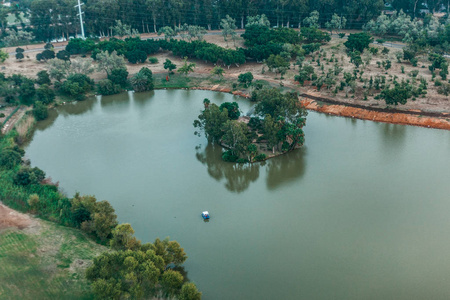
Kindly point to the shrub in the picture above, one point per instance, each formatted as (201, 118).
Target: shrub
(153, 60)
(246, 78)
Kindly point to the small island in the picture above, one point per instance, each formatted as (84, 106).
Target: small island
(275, 128)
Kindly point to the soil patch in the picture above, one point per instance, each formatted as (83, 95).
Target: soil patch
(12, 218)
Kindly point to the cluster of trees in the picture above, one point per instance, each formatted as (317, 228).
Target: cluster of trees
(132, 270)
(429, 31)
(51, 18)
(278, 122)
(205, 51)
(20, 89)
(140, 271)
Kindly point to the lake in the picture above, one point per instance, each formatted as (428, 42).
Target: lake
(360, 212)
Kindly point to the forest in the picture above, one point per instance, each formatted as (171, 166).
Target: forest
(49, 19)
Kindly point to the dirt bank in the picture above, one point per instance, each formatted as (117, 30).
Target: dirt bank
(415, 118)
(12, 218)
(378, 116)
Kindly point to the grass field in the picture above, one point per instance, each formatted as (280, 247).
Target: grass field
(45, 263)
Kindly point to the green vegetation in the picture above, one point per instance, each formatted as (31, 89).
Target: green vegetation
(279, 123)
(61, 253)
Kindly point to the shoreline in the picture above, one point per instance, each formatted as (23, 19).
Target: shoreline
(413, 118)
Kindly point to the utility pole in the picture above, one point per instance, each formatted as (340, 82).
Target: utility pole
(81, 18)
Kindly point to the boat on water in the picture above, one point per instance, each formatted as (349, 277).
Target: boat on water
(205, 215)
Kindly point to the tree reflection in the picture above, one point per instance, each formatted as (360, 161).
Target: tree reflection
(72, 108)
(280, 170)
(237, 176)
(285, 168)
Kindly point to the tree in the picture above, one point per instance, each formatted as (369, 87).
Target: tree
(125, 274)
(278, 63)
(119, 76)
(108, 62)
(45, 94)
(189, 291)
(260, 20)
(171, 282)
(271, 130)
(63, 55)
(136, 56)
(80, 65)
(123, 239)
(313, 19)
(58, 69)
(19, 53)
(43, 77)
(77, 85)
(187, 67)
(218, 71)
(211, 121)
(170, 251)
(3, 56)
(120, 29)
(232, 109)
(168, 32)
(246, 78)
(168, 65)
(106, 87)
(27, 91)
(358, 41)
(45, 55)
(229, 27)
(337, 23)
(236, 137)
(142, 81)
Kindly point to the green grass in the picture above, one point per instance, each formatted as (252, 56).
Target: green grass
(176, 81)
(48, 264)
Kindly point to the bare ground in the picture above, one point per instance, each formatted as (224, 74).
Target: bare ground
(11, 218)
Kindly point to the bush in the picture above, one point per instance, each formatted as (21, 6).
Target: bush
(80, 46)
(358, 41)
(246, 78)
(341, 35)
(107, 87)
(63, 55)
(153, 60)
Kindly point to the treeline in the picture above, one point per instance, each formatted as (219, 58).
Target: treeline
(51, 18)
(133, 270)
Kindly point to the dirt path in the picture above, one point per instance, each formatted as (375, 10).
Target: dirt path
(14, 119)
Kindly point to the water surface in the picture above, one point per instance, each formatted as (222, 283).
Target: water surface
(361, 212)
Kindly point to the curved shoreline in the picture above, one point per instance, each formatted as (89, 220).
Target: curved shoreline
(413, 118)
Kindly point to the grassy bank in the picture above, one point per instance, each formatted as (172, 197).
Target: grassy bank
(47, 261)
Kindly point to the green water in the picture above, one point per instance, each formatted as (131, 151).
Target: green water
(361, 212)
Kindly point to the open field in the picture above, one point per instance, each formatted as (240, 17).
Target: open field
(43, 260)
